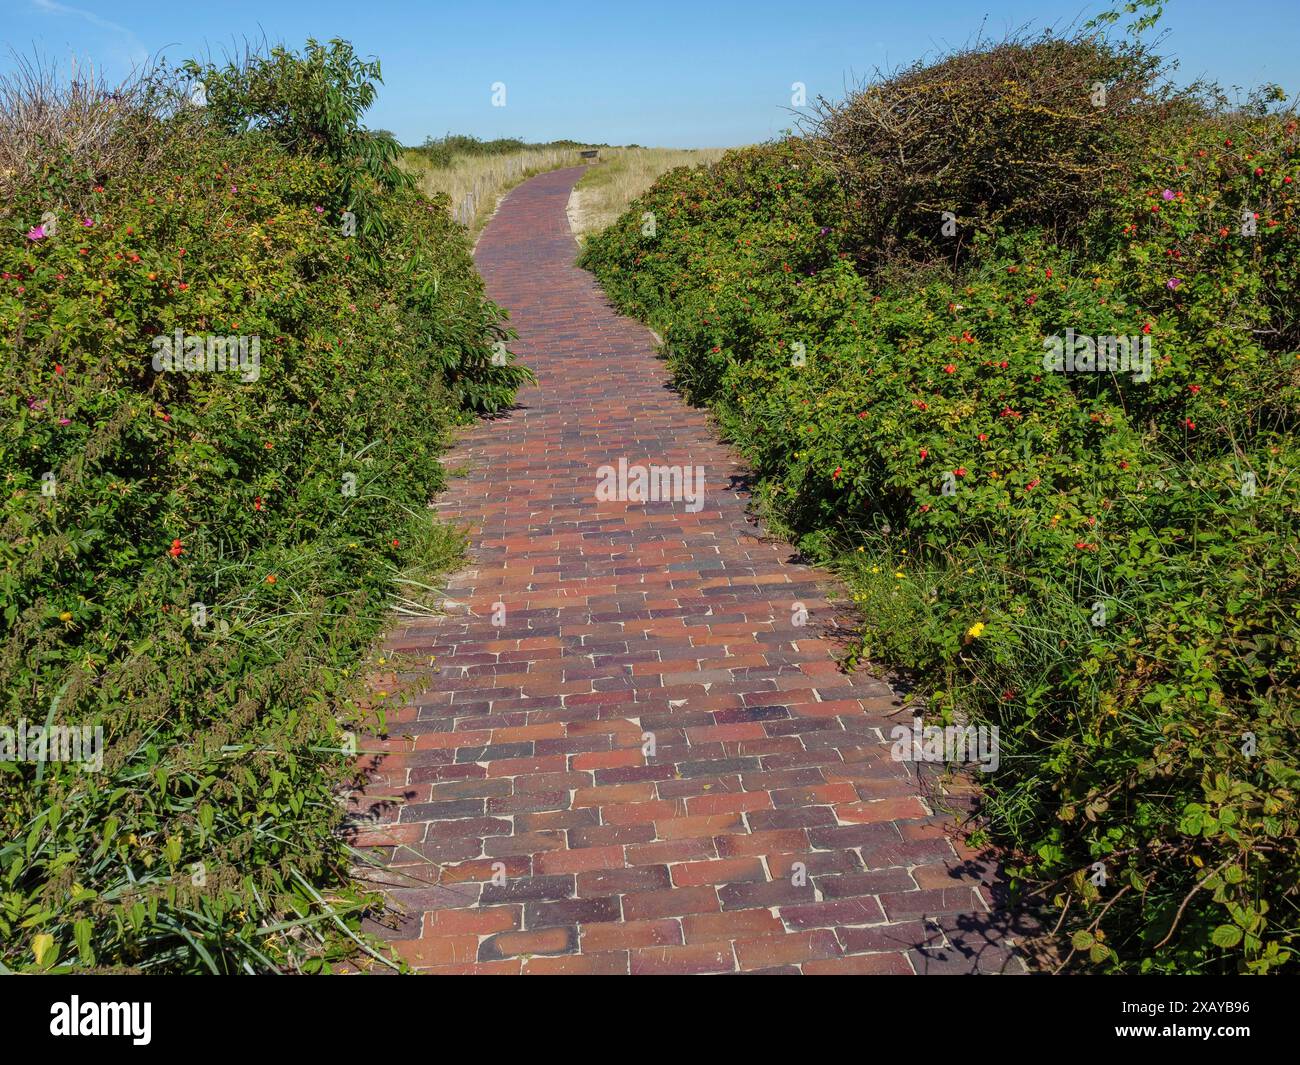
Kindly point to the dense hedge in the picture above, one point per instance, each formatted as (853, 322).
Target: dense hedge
(287, 505)
(1104, 567)
(444, 151)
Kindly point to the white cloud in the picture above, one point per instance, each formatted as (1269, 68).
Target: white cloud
(135, 50)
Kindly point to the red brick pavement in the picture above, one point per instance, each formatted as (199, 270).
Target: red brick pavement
(525, 758)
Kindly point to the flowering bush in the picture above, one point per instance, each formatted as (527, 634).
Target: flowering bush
(1093, 561)
(195, 562)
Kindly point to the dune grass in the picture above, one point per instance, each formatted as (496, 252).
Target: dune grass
(475, 183)
(621, 176)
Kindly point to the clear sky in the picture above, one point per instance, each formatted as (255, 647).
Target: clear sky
(679, 73)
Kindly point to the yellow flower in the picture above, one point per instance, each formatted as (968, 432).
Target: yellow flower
(66, 616)
(976, 630)
(900, 575)
(875, 569)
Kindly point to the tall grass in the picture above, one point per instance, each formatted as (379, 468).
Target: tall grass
(474, 175)
(621, 176)
(475, 183)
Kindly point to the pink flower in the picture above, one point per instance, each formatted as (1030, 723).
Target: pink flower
(88, 223)
(36, 233)
(1168, 194)
(1173, 283)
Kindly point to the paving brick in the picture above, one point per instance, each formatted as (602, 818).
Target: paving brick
(579, 860)
(438, 950)
(526, 889)
(860, 965)
(629, 935)
(684, 960)
(558, 940)
(789, 949)
(484, 921)
(570, 911)
(833, 913)
(611, 963)
(735, 924)
(897, 937)
(770, 893)
(721, 871)
(868, 882)
(673, 903)
(620, 881)
(903, 904)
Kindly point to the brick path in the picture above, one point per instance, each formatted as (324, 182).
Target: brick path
(622, 619)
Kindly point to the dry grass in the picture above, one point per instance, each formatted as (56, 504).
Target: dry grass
(80, 122)
(621, 176)
(475, 183)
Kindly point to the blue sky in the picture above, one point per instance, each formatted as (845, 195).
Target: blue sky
(671, 73)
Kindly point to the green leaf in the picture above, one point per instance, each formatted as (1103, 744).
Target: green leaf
(1226, 936)
(43, 948)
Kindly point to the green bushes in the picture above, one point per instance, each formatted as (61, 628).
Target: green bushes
(1098, 563)
(196, 561)
(1028, 132)
(444, 151)
(311, 105)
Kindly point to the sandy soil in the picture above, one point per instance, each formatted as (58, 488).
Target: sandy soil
(577, 217)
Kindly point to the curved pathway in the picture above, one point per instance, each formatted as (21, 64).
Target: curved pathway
(631, 758)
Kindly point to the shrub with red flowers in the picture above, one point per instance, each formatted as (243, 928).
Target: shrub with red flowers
(215, 642)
